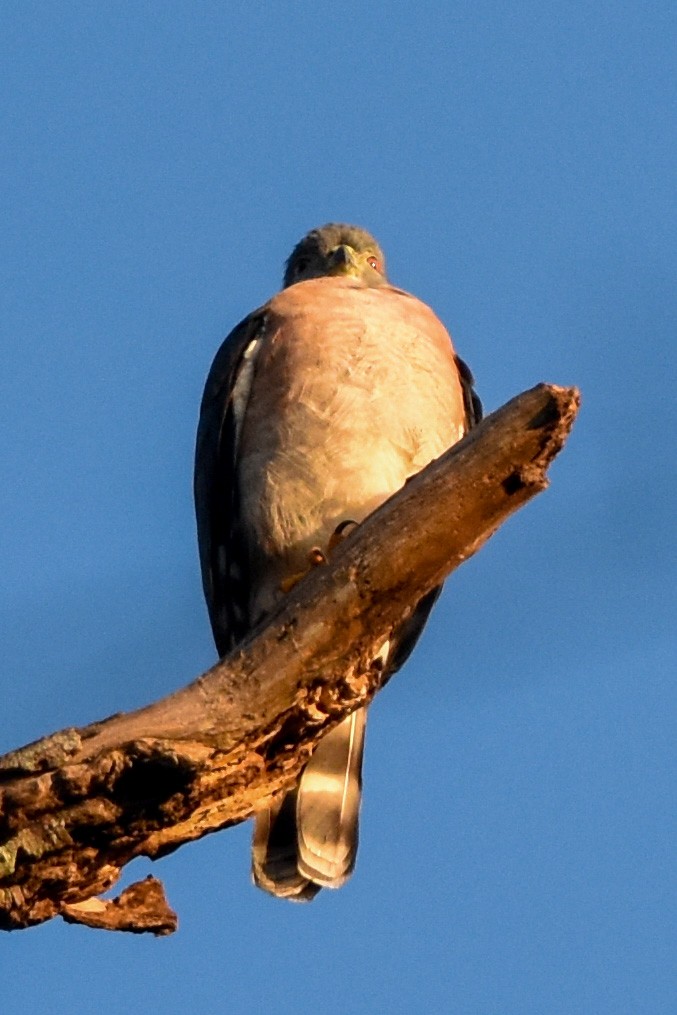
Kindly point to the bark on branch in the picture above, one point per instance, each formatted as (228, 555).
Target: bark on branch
(77, 806)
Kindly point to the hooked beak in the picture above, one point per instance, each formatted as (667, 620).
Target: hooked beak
(342, 261)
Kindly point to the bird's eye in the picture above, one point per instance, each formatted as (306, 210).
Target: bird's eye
(301, 265)
(374, 263)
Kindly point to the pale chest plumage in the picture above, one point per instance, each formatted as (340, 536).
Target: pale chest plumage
(349, 391)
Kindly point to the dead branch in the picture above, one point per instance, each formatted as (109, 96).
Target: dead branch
(77, 806)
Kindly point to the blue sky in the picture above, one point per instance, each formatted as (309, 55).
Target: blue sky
(516, 161)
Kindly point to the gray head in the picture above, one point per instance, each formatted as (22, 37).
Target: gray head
(336, 249)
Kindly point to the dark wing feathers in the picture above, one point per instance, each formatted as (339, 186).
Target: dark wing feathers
(471, 400)
(222, 550)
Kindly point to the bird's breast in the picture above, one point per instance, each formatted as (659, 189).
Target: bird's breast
(353, 391)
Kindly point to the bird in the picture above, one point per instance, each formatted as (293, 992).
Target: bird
(318, 406)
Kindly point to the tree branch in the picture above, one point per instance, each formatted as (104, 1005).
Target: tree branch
(77, 806)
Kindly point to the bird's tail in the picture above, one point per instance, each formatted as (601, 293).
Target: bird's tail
(308, 840)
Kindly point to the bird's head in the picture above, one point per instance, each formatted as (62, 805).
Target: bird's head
(336, 249)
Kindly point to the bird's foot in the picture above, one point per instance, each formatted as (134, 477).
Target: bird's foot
(317, 557)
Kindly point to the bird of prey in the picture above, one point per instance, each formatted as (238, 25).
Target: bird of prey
(318, 406)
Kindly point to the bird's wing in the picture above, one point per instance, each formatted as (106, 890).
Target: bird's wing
(217, 500)
(471, 400)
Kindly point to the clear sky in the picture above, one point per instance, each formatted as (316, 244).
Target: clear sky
(516, 161)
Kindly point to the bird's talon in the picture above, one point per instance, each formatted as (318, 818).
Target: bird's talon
(341, 532)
